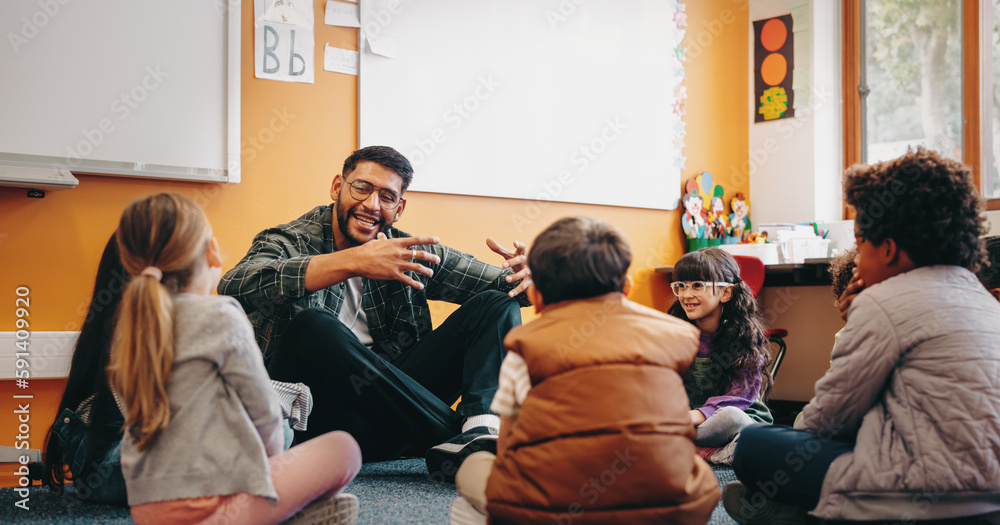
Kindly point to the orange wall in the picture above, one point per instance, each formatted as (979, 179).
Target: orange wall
(53, 245)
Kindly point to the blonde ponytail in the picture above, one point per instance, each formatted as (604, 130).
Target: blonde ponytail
(142, 354)
(160, 238)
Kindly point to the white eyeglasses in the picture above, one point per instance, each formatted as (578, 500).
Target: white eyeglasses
(696, 287)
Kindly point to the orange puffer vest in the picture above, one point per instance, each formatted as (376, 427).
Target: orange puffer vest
(604, 435)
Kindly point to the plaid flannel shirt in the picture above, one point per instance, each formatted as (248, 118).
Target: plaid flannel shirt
(270, 284)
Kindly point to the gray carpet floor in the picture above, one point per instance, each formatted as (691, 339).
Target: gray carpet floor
(391, 492)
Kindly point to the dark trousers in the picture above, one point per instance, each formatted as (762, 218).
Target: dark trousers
(390, 401)
(784, 464)
(787, 465)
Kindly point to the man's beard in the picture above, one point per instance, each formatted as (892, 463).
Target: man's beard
(344, 215)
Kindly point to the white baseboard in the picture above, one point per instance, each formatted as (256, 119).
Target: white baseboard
(9, 454)
(49, 354)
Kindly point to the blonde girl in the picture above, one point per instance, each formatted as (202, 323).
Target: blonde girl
(203, 434)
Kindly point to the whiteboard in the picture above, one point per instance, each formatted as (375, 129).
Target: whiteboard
(122, 87)
(563, 100)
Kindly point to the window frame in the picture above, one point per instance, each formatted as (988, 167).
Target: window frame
(974, 79)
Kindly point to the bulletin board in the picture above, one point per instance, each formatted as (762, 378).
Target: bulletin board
(120, 87)
(555, 100)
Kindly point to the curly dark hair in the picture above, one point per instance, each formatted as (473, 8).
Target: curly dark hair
(989, 274)
(578, 258)
(926, 203)
(841, 270)
(739, 342)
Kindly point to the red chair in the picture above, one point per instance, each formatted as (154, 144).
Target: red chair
(752, 273)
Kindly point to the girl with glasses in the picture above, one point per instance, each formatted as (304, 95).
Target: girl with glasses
(728, 380)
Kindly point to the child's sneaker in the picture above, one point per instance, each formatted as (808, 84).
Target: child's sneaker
(341, 509)
(724, 455)
(767, 512)
(443, 460)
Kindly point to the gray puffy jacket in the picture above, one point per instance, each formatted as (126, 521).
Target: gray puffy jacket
(915, 381)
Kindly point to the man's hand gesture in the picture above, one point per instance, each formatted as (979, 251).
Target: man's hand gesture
(516, 260)
(384, 259)
(380, 258)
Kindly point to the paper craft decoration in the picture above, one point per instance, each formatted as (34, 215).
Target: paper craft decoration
(705, 221)
(706, 189)
(705, 214)
(283, 40)
(693, 219)
(740, 219)
(773, 68)
(718, 219)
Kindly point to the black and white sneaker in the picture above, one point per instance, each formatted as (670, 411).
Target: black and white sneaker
(760, 511)
(443, 460)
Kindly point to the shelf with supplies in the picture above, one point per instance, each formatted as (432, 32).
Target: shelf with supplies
(811, 272)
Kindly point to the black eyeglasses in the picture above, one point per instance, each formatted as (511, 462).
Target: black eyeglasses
(388, 199)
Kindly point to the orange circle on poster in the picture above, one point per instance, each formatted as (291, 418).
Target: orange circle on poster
(773, 69)
(773, 34)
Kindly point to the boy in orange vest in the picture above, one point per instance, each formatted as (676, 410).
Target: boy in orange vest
(594, 418)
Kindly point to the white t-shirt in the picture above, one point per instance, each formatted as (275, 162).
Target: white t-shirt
(352, 314)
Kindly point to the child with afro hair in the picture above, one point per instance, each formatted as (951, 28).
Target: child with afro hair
(906, 423)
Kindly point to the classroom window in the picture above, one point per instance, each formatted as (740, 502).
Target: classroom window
(913, 76)
(912, 69)
(991, 85)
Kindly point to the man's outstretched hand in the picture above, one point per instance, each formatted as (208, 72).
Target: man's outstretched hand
(384, 259)
(516, 260)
